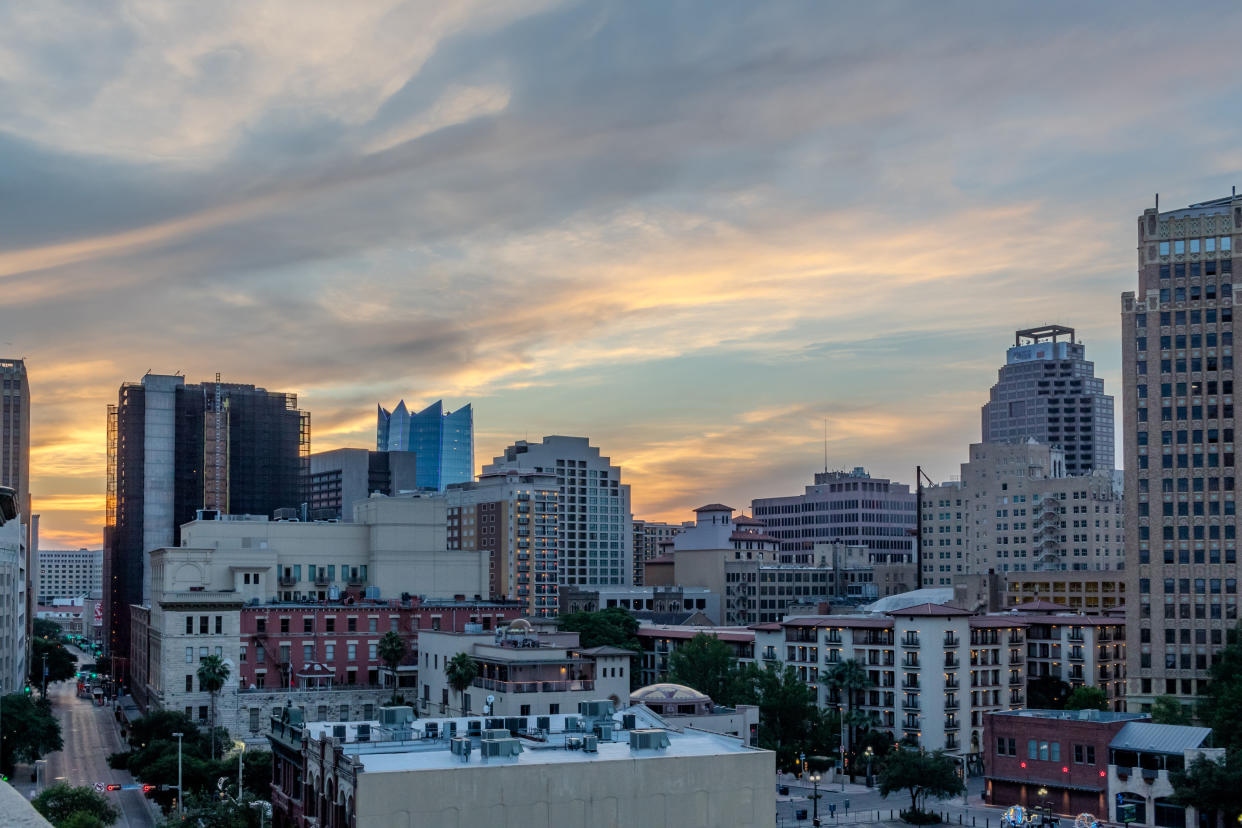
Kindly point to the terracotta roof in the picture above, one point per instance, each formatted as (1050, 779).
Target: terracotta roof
(1000, 621)
(1040, 604)
(930, 609)
(753, 536)
(845, 621)
(607, 651)
(732, 634)
(767, 626)
(743, 520)
(662, 559)
(715, 507)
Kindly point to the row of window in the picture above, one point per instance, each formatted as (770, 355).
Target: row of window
(1209, 244)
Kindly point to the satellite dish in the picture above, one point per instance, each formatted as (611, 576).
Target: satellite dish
(491, 699)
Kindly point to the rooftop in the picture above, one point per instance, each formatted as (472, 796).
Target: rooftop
(715, 507)
(1074, 715)
(930, 609)
(1160, 738)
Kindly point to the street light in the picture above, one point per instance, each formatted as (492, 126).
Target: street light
(815, 777)
(869, 753)
(180, 793)
(841, 724)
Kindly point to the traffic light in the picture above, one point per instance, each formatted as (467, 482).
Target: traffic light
(147, 788)
(113, 787)
(27, 690)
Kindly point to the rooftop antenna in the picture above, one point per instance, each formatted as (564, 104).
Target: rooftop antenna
(1157, 202)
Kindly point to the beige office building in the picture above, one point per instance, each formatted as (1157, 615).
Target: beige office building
(1180, 465)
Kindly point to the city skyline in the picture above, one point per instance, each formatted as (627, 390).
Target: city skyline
(688, 237)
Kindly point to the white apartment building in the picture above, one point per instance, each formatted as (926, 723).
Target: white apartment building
(595, 543)
(936, 671)
(13, 611)
(1014, 510)
(69, 574)
(523, 671)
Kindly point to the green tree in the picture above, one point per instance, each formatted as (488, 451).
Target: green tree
(391, 651)
(29, 730)
(207, 811)
(1046, 693)
(611, 627)
(1221, 706)
(81, 819)
(460, 672)
(849, 678)
(47, 629)
(1087, 698)
(257, 772)
(1168, 710)
(707, 664)
(158, 724)
(1212, 787)
(790, 723)
(61, 803)
(103, 665)
(922, 775)
(212, 673)
(60, 662)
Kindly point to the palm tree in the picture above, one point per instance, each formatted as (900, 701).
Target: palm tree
(461, 671)
(391, 651)
(212, 673)
(849, 677)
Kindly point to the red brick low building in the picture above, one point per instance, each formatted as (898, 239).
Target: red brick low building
(1062, 751)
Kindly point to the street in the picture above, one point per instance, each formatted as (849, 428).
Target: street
(866, 805)
(90, 733)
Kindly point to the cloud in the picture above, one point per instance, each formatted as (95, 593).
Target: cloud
(687, 231)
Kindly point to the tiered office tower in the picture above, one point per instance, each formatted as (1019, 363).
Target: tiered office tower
(1048, 390)
(1180, 466)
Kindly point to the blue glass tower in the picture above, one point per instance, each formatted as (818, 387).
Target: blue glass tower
(443, 443)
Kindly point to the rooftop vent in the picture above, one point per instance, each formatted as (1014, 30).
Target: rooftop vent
(502, 748)
(396, 716)
(462, 747)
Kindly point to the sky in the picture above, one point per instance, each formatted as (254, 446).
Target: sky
(691, 231)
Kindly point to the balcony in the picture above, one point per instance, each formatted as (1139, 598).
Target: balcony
(534, 686)
(951, 640)
(952, 724)
(909, 685)
(910, 663)
(288, 580)
(1075, 655)
(910, 641)
(951, 683)
(1015, 681)
(952, 704)
(910, 724)
(951, 662)
(910, 704)
(1015, 638)
(321, 579)
(769, 654)
(355, 580)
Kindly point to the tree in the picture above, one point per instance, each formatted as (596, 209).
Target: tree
(790, 722)
(1046, 693)
(848, 677)
(60, 663)
(103, 665)
(612, 627)
(158, 724)
(1221, 707)
(461, 671)
(212, 673)
(922, 774)
(1168, 710)
(1087, 698)
(62, 803)
(391, 651)
(47, 629)
(707, 664)
(29, 730)
(1211, 787)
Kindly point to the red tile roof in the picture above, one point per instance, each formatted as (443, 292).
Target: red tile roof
(1040, 604)
(743, 520)
(715, 507)
(844, 621)
(753, 536)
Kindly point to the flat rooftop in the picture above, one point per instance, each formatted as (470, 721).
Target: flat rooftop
(1075, 715)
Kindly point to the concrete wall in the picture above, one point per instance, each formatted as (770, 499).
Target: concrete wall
(157, 468)
(677, 792)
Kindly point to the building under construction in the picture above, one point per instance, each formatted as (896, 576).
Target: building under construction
(174, 449)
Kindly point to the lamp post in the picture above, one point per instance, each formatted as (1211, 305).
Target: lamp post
(241, 752)
(1042, 793)
(180, 793)
(815, 777)
(841, 723)
(870, 754)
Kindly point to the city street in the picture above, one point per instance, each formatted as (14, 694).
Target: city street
(90, 733)
(866, 805)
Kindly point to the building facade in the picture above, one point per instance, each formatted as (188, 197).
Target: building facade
(1093, 593)
(513, 518)
(70, 574)
(649, 537)
(1180, 465)
(522, 671)
(660, 641)
(1015, 510)
(1063, 753)
(851, 507)
(1048, 391)
(595, 544)
(442, 441)
(1141, 757)
(609, 770)
(14, 620)
(174, 449)
(338, 479)
(652, 600)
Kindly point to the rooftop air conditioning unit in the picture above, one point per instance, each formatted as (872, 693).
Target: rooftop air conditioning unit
(373, 593)
(431, 730)
(648, 739)
(596, 709)
(364, 732)
(502, 748)
(628, 721)
(495, 733)
(603, 730)
(590, 744)
(461, 747)
(396, 716)
(572, 724)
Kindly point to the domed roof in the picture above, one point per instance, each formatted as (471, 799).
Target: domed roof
(665, 692)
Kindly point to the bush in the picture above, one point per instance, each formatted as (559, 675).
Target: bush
(917, 817)
(119, 761)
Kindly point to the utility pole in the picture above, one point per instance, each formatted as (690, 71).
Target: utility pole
(180, 793)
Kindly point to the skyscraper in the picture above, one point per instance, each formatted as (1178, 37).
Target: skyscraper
(15, 431)
(594, 542)
(1048, 390)
(174, 449)
(1180, 466)
(443, 443)
(339, 478)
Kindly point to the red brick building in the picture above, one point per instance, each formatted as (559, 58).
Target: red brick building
(298, 645)
(1062, 751)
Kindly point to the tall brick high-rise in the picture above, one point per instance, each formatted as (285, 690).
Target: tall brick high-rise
(1180, 466)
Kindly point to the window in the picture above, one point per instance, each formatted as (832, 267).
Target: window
(554, 709)
(524, 710)
(351, 624)
(254, 720)
(1090, 754)
(353, 651)
(202, 713)
(202, 653)
(219, 624)
(189, 684)
(329, 652)
(373, 624)
(260, 625)
(308, 623)
(1031, 749)
(202, 625)
(189, 625)
(330, 623)
(189, 655)
(284, 625)
(371, 651)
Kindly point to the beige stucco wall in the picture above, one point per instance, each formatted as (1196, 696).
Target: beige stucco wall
(679, 792)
